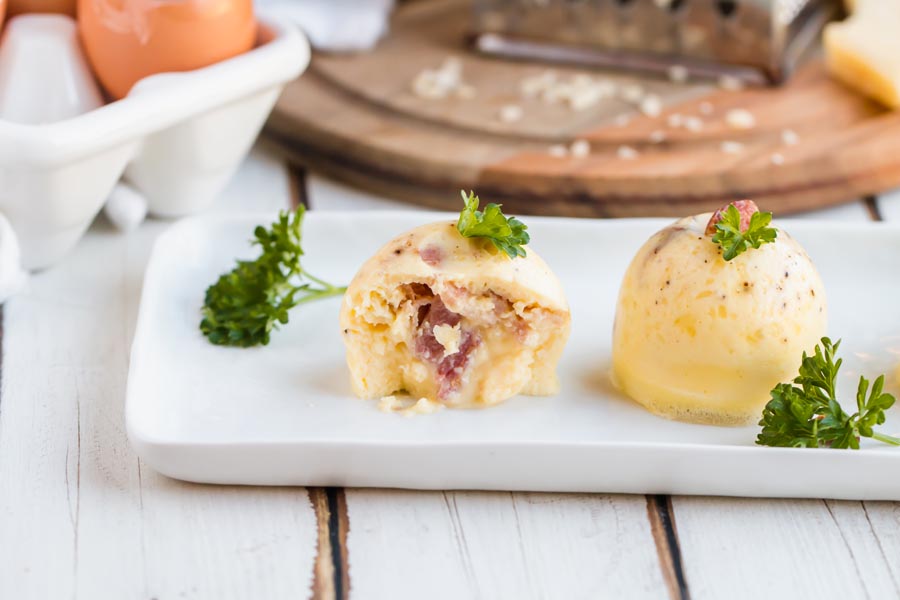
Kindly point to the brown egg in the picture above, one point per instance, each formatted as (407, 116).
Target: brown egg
(2, 11)
(18, 7)
(127, 40)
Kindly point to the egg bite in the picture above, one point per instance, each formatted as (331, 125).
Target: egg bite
(453, 320)
(701, 339)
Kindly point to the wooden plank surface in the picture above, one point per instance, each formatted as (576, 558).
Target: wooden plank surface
(501, 545)
(80, 516)
(787, 548)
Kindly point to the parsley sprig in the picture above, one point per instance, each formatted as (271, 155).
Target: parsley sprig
(508, 234)
(806, 414)
(247, 303)
(734, 241)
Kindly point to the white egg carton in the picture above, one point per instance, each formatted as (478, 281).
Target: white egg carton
(176, 137)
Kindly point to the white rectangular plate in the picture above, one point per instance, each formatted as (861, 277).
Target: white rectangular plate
(284, 414)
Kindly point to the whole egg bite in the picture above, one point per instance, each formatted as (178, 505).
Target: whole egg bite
(701, 339)
(453, 320)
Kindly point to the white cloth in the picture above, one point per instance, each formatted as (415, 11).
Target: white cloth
(337, 25)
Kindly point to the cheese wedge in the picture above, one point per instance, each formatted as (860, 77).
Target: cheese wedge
(864, 50)
(453, 320)
(703, 340)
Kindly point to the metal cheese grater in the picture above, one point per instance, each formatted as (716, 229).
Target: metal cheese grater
(756, 40)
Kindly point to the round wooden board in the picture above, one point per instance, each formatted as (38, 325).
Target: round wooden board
(356, 119)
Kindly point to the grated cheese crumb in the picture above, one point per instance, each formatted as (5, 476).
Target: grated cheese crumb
(632, 93)
(408, 408)
(777, 159)
(731, 83)
(511, 113)
(706, 108)
(558, 150)
(729, 147)
(651, 105)
(627, 153)
(693, 124)
(675, 120)
(422, 406)
(389, 404)
(439, 83)
(740, 118)
(658, 136)
(584, 98)
(582, 79)
(678, 73)
(449, 337)
(580, 148)
(580, 91)
(790, 137)
(532, 87)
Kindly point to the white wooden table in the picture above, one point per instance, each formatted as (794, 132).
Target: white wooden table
(81, 517)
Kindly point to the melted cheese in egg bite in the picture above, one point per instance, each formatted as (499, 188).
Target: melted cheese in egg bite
(700, 339)
(453, 320)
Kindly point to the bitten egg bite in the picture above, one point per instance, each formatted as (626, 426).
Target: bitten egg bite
(700, 339)
(453, 320)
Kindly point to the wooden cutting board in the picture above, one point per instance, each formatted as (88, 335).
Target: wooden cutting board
(356, 118)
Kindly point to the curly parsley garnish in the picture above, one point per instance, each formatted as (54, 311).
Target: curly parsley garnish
(246, 304)
(734, 241)
(507, 233)
(806, 414)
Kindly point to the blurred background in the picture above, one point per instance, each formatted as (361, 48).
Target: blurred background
(589, 108)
